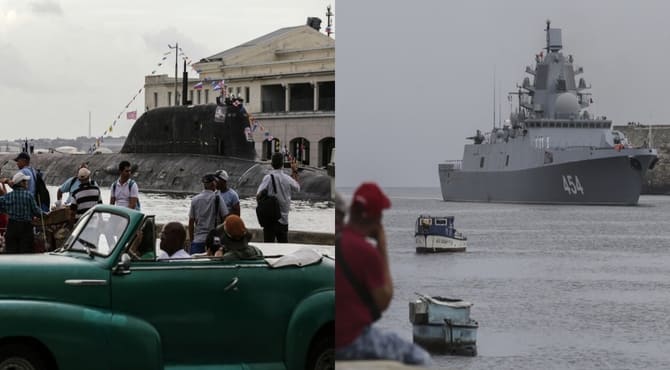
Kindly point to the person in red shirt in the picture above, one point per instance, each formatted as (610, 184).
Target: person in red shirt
(364, 286)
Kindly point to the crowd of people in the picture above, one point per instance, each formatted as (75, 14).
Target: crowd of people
(216, 206)
(362, 275)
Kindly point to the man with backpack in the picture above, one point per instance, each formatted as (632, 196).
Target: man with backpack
(70, 186)
(36, 185)
(207, 211)
(281, 186)
(125, 191)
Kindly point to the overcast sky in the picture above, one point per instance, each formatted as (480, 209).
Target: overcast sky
(60, 59)
(415, 78)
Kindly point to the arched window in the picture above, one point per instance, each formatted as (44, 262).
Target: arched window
(299, 149)
(326, 146)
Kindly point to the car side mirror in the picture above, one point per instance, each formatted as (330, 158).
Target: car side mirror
(123, 267)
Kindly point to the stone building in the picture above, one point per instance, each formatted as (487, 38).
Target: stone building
(287, 81)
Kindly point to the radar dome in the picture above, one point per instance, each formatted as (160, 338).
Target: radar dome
(566, 105)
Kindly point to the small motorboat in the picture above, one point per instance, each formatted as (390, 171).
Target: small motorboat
(443, 325)
(437, 234)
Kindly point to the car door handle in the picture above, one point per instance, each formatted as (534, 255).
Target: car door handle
(233, 284)
(79, 282)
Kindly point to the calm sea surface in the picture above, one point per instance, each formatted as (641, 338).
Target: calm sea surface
(305, 216)
(553, 287)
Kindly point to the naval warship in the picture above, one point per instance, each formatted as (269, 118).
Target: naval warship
(552, 151)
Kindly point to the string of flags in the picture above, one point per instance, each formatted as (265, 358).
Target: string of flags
(215, 85)
(132, 115)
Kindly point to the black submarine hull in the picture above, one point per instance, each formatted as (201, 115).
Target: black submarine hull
(171, 148)
(169, 173)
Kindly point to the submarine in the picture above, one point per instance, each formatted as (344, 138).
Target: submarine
(171, 148)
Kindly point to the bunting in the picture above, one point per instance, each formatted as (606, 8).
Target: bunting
(132, 115)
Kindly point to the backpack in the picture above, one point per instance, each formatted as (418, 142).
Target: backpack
(267, 210)
(130, 185)
(41, 191)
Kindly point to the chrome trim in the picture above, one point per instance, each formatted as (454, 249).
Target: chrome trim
(233, 284)
(83, 282)
(182, 267)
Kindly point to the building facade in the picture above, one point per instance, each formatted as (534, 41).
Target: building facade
(287, 81)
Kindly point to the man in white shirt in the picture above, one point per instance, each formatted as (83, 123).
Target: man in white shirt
(125, 191)
(172, 238)
(285, 185)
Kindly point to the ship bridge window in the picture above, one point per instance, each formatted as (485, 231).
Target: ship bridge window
(507, 161)
(551, 124)
(592, 125)
(572, 125)
(440, 221)
(481, 162)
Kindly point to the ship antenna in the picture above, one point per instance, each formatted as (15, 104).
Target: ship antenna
(494, 97)
(547, 31)
(499, 110)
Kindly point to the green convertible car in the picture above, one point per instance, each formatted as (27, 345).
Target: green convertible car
(89, 305)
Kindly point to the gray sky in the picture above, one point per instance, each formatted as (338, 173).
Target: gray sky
(414, 78)
(61, 59)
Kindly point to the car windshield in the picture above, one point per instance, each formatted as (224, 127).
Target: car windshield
(97, 233)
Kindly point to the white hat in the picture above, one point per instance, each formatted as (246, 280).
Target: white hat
(20, 176)
(83, 173)
(222, 174)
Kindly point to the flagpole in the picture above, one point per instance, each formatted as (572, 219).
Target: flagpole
(176, 65)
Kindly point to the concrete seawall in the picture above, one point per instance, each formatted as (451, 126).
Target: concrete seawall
(656, 181)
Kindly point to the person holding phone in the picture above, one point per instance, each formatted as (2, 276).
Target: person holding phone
(364, 286)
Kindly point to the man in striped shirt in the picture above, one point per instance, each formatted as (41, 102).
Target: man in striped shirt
(21, 207)
(86, 196)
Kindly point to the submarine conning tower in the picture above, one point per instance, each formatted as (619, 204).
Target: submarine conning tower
(201, 129)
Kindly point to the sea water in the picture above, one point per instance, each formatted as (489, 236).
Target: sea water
(304, 215)
(553, 287)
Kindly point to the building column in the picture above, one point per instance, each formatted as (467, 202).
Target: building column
(316, 95)
(287, 97)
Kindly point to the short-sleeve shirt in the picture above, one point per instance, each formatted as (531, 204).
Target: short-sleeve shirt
(202, 210)
(285, 186)
(32, 183)
(352, 315)
(70, 186)
(123, 193)
(230, 197)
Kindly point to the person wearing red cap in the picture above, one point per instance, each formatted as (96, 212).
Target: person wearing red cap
(364, 286)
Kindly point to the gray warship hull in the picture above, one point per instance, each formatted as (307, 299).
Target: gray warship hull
(551, 150)
(603, 181)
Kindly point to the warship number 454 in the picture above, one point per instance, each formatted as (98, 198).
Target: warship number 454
(553, 150)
